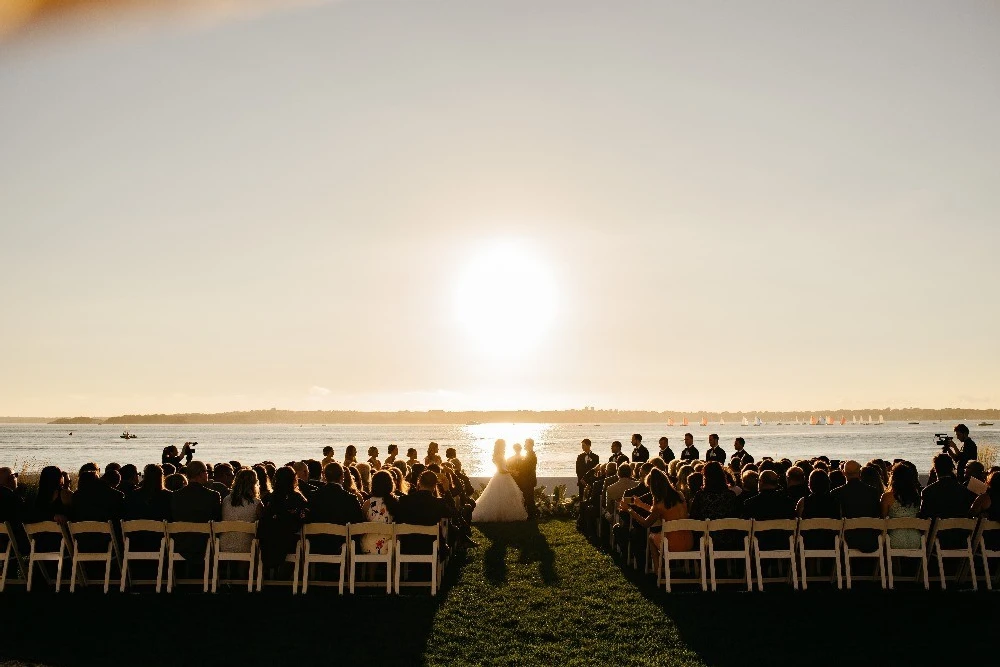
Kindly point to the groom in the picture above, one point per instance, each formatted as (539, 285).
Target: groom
(528, 480)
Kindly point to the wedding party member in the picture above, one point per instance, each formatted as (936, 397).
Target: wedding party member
(690, 452)
(584, 463)
(616, 453)
(502, 499)
(639, 452)
(432, 454)
(529, 478)
(392, 453)
(373, 461)
(327, 457)
(740, 457)
(666, 454)
(350, 455)
(715, 453)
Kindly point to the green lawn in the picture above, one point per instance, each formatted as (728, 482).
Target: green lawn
(531, 594)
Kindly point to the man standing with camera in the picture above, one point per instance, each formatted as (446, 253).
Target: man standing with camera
(968, 452)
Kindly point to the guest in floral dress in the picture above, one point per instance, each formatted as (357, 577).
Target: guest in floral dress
(379, 508)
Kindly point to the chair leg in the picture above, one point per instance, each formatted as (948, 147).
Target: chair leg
(215, 573)
(159, 571)
(72, 573)
(107, 573)
(795, 577)
(121, 589)
(972, 570)
(927, 581)
(940, 561)
(398, 572)
(986, 568)
(889, 570)
(59, 568)
(701, 567)
(748, 570)
(836, 564)
(711, 567)
(253, 560)
(760, 577)
(805, 577)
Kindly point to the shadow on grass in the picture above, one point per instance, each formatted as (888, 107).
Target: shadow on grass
(865, 625)
(192, 628)
(528, 540)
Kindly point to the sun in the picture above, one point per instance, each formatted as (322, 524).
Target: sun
(505, 298)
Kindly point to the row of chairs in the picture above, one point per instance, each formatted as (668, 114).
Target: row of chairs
(303, 559)
(971, 534)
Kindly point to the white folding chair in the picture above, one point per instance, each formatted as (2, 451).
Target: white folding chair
(697, 528)
(736, 525)
(920, 553)
(985, 527)
(295, 558)
(311, 559)
(220, 528)
(372, 528)
(820, 526)
(759, 527)
(153, 528)
(175, 528)
(11, 552)
(651, 565)
(34, 530)
(430, 559)
(83, 528)
(878, 555)
(967, 528)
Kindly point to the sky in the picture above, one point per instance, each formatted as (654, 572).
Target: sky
(383, 205)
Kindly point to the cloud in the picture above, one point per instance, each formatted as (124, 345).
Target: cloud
(316, 391)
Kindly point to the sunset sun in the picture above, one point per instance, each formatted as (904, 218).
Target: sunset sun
(505, 298)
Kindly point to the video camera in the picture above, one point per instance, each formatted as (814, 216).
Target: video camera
(944, 441)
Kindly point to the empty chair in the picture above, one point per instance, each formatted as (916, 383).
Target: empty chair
(697, 553)
(139, 538)
(775, 548)
(820, 538)
(987, 545)
(953, 538)
(243, 552)
(728, 534)
(408, 558)
(876, 526)
(8, 542)
(39, 530)
(373, 528)
(93, 529)
(313, 558)
(187, 528)
(917, 550)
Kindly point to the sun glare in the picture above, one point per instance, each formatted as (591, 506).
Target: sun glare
(505, 298)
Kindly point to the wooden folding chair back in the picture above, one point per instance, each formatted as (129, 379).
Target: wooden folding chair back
(312, 559)
(429, 559)
(919, 552)
(967, 527)
(372, 528)
(765, 526)
(34, 531)
(143, 526)
(78, 529)
(732, 526)
(175, 528)
(811, 526)
(220, 528)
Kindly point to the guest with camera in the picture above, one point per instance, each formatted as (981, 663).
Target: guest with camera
(968, 451)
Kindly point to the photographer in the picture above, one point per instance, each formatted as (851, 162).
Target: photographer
(171, 456)
(967, 453)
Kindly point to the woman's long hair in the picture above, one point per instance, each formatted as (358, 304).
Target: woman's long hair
(904, 485)
(264, 484)
(383, 487)
(244, 488)
(152, 480)
(714, 477)
(285, 483)
(661, 488)
(49, 485)
(350, 455)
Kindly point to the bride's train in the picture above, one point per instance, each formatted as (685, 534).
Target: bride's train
(501, 500)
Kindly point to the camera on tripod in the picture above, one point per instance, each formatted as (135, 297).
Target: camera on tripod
(944, 441)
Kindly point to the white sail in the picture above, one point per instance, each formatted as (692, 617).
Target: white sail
(722, 422)
(881, 419)
(757, 421)
(745, 422)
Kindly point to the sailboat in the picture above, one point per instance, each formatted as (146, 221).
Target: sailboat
(757, 421)
(745, 422)
(704, 421)
(685, 422)
(854, 419)
(812, 421)
(722, 422)
(843, 420)
(881, 421)
(797, 422)
(869, 422)
(670, 421)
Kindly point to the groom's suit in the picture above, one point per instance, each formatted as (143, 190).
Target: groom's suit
(528, 481)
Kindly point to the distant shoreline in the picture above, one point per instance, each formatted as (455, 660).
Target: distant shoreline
(586, 416)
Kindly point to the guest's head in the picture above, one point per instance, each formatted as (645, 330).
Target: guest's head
(768, 481)
(246, 489)
(695, 483)
(152, 479)
(176, 482)
(112, 478)
(301, 471)
(837, 478)
(286, 482)
(943, 466)
(795, 476)
(625, 471)
(397, 479)
(130, 476)
(819, 482)
(905, 485)
(975, 469)
(263, 479)
(197, 473)
(224, 475)
(169, 469)
(50, 483)
(365, 473)
(749, 480)
(852, 470)
(382, 485)
(334, 473)
(715, 477)
(427, 481)
(871, 477)
(400, 466)
(8, 479)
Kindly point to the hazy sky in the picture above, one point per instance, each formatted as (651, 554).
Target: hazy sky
(455, 204)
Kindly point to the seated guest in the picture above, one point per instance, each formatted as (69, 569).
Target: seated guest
(613, 492)
(902, 501)
(683, 472)
(988, 505)
(625, 529)
(130, 480)
(857, 500)
(263, 482)
(315, 473)
(795, 484)
(379, 508)
(365, 473)
(242, 503)
(196, 503)
(332, 503)
(222, 479)
(151, 501)
(95, 501)
(667, 505)
(175, 482)
(281, 519)
(871, 476)
(837, 477)
(695, 481)
(975, 477)
(422, 508)
(302, 479)
(716, 501)
(168, 469)
(12, 508)
(53, 499)
(770, 503)
(749, 479)
(819, 504)
(352, 482)
(946, 498)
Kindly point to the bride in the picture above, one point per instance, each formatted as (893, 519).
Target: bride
(502, 499)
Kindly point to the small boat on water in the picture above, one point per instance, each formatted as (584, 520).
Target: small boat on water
(813, 421)
(472, 423)
(986, 423)
(704, 421)
(757, 421)
(670, 421)
(128, 436)
(685, 422)
(745, 422)
(881, 421)
(914, 423)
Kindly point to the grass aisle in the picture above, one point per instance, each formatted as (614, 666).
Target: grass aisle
(541, 594)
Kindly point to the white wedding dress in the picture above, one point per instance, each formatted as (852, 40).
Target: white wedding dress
(501, 500)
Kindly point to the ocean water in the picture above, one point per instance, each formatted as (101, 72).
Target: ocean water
(556, 445)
